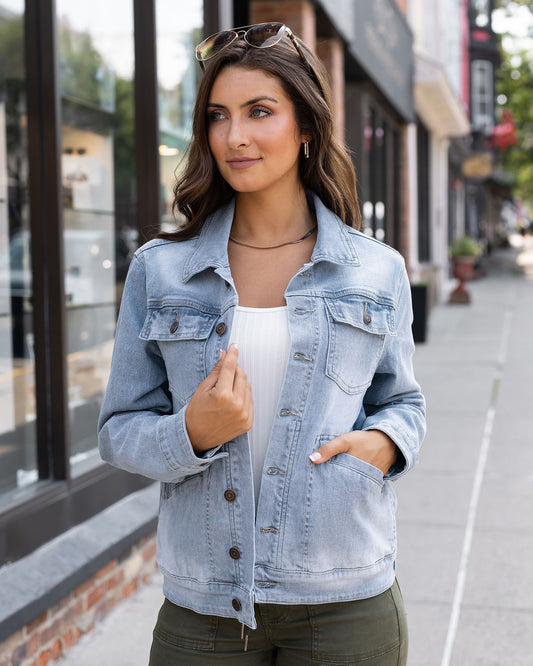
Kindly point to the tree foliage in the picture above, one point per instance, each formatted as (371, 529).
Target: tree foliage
(507, 4)
(514, 81)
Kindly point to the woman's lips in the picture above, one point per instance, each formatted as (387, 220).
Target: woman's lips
(243, 162)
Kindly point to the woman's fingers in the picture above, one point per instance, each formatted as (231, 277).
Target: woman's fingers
(329, 449)
(221, 408)
(372, 446)
(248, 405)
(228, 369)
(212, 378)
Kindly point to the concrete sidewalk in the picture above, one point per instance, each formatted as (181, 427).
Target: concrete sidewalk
(465, 520)
(465, 513)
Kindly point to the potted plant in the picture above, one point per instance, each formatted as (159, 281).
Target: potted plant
(464, 252)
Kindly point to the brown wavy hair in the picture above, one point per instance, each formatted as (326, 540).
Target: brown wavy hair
(329, 172)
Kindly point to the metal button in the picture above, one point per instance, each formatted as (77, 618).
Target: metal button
(230, 495)
(236, 604)
(234, 553)
(366, 317)
(221, 328)
(175, 324)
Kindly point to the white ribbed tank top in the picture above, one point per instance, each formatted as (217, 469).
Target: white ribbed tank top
(264, 342)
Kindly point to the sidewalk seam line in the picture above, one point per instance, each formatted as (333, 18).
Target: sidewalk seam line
(476, 490)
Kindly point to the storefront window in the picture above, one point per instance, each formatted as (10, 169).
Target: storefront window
(96, 65)
(367, 208)
(374, 175)
(177, 73)
(380, 207)
(424, 192)
(18, 466)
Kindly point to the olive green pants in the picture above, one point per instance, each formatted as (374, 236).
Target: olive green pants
(370, 632)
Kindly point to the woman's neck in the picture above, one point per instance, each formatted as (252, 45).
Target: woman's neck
(269, 219)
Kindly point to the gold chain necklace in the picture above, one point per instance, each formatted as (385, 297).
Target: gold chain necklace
(273, 247)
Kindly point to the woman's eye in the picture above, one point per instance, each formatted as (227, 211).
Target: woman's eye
(213, 116)
(259, 112)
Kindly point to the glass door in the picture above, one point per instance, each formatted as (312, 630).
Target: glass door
(96, 56)
(18, 465)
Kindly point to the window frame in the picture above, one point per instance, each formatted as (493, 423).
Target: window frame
(423, 153)
(482, 94)
(372, 105)
(57, 502)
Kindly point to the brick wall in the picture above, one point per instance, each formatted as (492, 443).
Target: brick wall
(331, 52)
(45, 639)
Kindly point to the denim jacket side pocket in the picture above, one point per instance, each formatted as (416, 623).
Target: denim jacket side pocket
(349, 505)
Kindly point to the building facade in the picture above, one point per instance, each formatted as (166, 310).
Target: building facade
(486, 189)
(437, 138)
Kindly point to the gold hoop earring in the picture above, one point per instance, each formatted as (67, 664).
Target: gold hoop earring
(306, 150)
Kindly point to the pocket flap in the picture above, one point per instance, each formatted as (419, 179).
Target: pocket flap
(363, 313)
(177, 323)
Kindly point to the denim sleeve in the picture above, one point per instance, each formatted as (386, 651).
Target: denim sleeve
(137, 429)
(394, 403)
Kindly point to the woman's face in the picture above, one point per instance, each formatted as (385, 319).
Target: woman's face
(252, 130)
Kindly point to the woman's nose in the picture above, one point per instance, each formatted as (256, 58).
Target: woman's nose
(237, 135)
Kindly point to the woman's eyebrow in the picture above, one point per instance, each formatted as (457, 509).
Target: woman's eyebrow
(255, 100)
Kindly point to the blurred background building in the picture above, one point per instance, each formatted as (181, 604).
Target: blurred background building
(95, 113)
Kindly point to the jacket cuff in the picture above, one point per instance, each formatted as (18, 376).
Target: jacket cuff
(177, 449)
(405, 460)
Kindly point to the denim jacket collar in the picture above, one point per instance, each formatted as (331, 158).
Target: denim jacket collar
(334, 241)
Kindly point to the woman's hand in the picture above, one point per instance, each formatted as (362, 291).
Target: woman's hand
(372, 446)
(221, 408)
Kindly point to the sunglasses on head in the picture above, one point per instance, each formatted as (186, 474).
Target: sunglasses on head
(260, 36)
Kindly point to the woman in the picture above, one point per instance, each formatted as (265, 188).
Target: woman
(262, 372)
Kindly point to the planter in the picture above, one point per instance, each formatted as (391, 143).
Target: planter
(463, 270)
(419, 297)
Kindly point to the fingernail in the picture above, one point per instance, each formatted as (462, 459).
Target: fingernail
(235, 345)
(220, 354)
(316, 456)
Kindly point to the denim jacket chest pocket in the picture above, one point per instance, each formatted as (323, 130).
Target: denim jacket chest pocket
(357, 327)
(181, 333)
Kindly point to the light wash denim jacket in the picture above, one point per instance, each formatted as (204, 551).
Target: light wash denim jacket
(320, 533)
